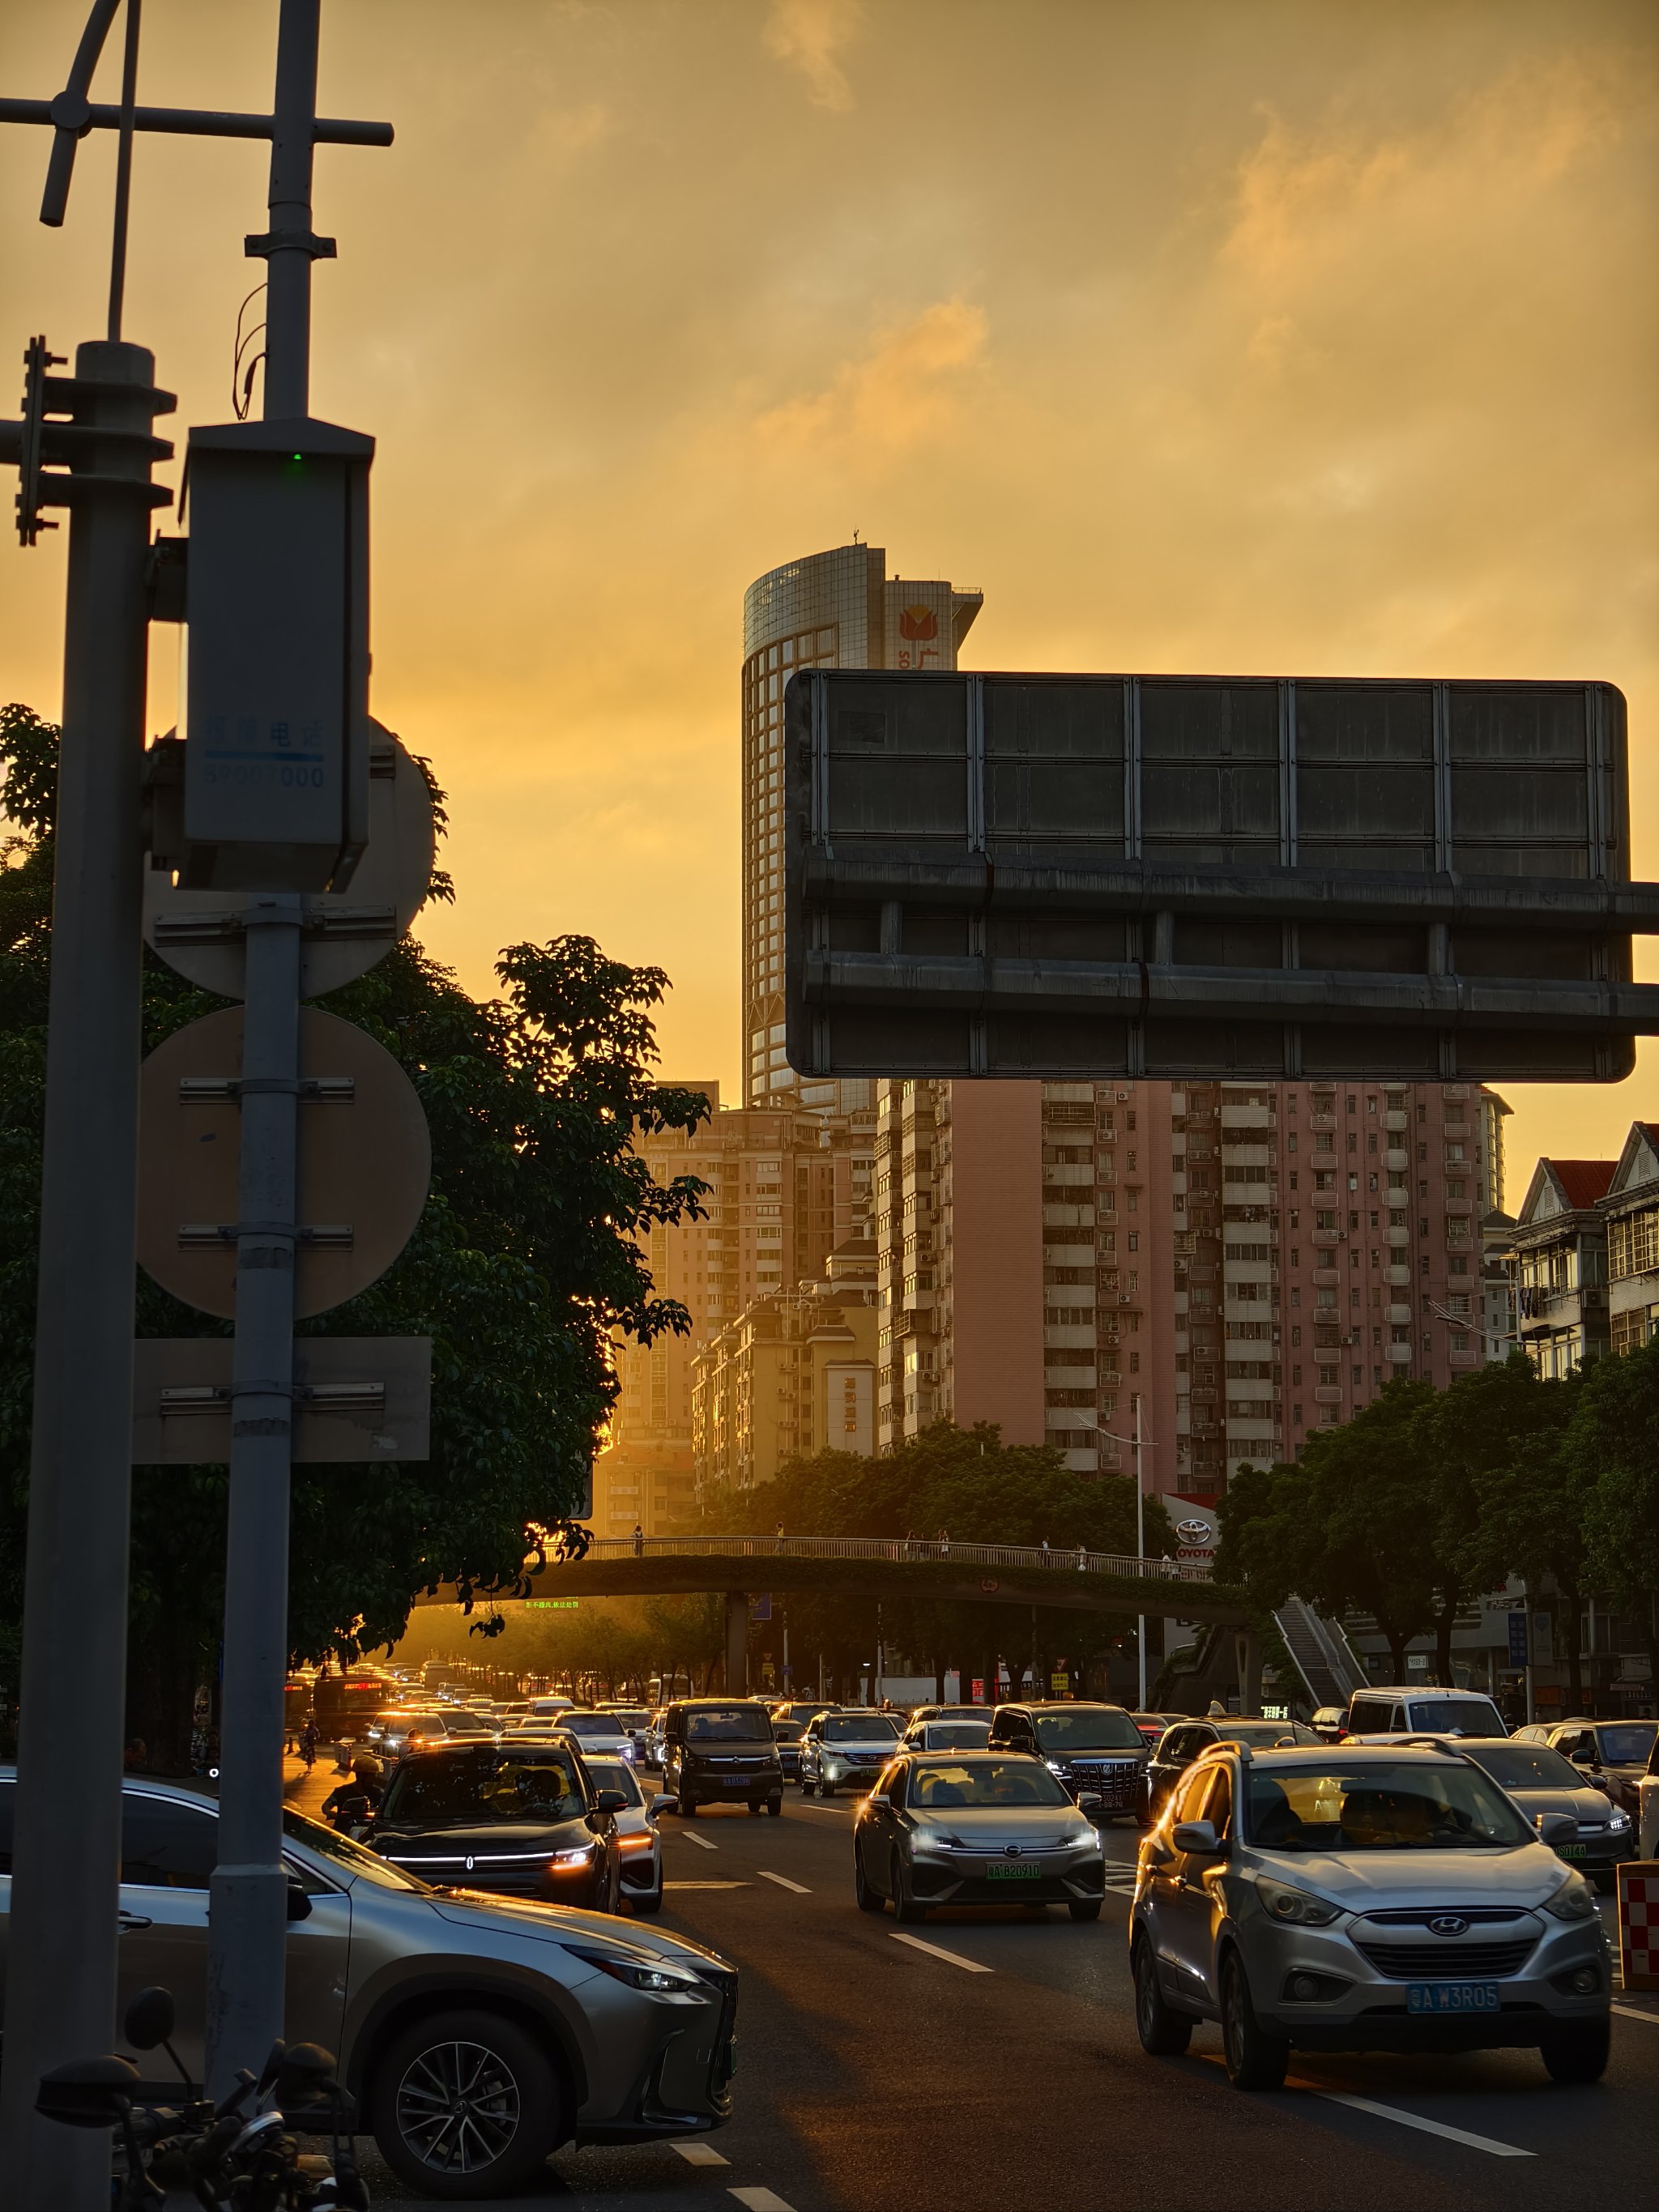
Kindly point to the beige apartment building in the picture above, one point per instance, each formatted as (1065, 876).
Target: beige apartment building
(1220, 1267)
(785, 1189)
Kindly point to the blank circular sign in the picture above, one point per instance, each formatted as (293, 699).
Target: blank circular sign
(364, 1162)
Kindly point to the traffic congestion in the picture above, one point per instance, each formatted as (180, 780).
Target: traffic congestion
(1381, 1934)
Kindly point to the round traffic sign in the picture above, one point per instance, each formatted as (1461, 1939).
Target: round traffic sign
(200, 933)
(365, 1161)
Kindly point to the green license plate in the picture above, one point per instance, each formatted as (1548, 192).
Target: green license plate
(1572, 1850)
(1013, 1873)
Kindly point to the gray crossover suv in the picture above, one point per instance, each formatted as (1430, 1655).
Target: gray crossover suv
(1350, 1897)
(477, 2033)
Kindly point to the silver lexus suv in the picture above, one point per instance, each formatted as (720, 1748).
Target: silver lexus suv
(1344, 1897)
(478, 2034)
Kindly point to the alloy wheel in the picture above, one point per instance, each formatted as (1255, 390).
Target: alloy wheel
(458, 2108)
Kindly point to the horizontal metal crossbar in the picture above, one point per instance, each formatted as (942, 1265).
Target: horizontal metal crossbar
(908, 1551)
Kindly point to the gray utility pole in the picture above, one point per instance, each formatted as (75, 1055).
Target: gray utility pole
(247, 1907)
(62, 1965)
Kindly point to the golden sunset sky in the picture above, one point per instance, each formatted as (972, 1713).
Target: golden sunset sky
(1253, 336)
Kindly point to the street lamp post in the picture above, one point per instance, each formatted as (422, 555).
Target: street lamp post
(1139, 1443)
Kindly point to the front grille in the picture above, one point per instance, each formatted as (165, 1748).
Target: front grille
(1448, 1962)
(1418, 1916)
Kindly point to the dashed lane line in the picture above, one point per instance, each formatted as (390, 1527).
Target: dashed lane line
(689, 1836)
(700, 2153)
(951, 1958)
(1629, 2012)
(708, 1885)
(1405, 2119)
(760, 2200)
(783, 1881)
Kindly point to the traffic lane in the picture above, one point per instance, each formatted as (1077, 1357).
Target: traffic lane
(1503, 2098)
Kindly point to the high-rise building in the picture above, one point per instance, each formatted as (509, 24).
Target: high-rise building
(1222, 1266)
(835, 610)
(785, 1189)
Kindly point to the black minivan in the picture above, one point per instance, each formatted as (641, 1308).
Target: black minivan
(721, 1751)
(1097, 1752)
(522, 1819)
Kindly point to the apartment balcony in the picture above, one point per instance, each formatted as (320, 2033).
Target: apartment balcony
(1068, 1216)
(1396, 1121)
(1397, 1236)
(1400, 1313)
(1322, 1120)
(1397, 1275)
(1455, 1130)
(1396, 1161)
(1398, 1355)
(1460, 1359)
(1327, 1393)
(1247, 1117)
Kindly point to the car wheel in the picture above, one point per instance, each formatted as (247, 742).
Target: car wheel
(1578, 2052)
(465, 2105)
(753, 1809)
(805, 1786)
(1255, 2060)
(905, 1907)
(1084, 1908)
(866, 1899)
(774, 1807)
(686, 1807)
(1163, 2032)
(826, 1787)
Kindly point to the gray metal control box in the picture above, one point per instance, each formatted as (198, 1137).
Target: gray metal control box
(276, 717)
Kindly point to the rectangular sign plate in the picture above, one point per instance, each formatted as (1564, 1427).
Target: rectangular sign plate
(1078, 875)
(1451, 1996)
(357, 1398)
(1013, 1873)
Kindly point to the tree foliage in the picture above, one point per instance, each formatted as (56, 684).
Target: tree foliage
(523, 1266)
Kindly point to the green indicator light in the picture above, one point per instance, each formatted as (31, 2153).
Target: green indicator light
(296, 456)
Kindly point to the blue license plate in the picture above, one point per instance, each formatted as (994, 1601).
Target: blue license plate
(1450, 1997)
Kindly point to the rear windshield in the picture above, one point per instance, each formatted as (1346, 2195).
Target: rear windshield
(1380, 1807)
(1628, 1746)
(629, 1717)
(849, 1727)
(509, 1784)
(1258, 1732)
(936, 1785)
(580, 1724)
(1524, 1765)
(1458, 1716)
(788, 1731)
(1088, 1730)
(957, 1735)
(728, 1725)
(468, 1724)
(616, 1774)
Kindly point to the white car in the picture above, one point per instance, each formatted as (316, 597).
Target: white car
(845, 1751)
(601, 1734)
(1363, 1897)
(637, 1835)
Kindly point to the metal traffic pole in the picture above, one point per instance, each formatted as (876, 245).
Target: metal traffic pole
(1139, 1443)
(247, 1906)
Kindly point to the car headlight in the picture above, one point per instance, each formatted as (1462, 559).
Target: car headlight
(1296, 1908)
(921, 1841)
(1082, 1837)
(1574, 1900)
(657, 1979)
(566, 1859)
(627, 1751)
(1617, 1819)
(1053, 1766)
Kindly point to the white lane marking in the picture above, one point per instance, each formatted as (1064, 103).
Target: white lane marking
(760, 2200)
(1629, 2012)
(703, 1843)
(706, 1885)
(784, 1882)
(700, 2153)
(1416, 2120)
(835, 1812)
(951, 1958)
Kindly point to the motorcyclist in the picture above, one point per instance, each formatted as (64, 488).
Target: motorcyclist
(356, 1802)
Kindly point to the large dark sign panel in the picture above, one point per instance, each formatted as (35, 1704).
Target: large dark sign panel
(1186, 876)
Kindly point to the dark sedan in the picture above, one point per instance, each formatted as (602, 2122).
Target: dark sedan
(1181, 1745)
(522, 1819)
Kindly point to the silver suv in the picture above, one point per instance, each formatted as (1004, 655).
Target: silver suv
(478, 2035)
(1363, 1899)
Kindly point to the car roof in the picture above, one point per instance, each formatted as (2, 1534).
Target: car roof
(1419, 1745)
(1417, 1690)
(1061, 1705)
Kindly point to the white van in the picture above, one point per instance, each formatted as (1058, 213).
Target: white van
(1394, 1711)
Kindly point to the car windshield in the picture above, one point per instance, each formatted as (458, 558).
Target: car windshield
(594, 1724)
(468, 1724)
(1088, 1728)
(849, 1727)
(940, 1785)
(1457, 1717)
(1523, 1766)
(629, 1717)
(509, 1784)
(788, 1731)
(957, 1735)
(1629, 1746)
(1257, 1734)
(728, 1725)
(348, 1858)
(1421, 1806)
(616, 1774)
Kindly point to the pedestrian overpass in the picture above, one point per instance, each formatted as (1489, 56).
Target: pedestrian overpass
(941, 1572)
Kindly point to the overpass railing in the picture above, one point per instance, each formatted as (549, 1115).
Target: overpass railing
(909, 1550)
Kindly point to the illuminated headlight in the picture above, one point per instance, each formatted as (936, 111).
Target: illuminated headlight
(1053, 1766)
(1574, 1900)
(656, 1980)
(561, 1862)
(1084, 1838)
(923, 1841)
(627, 1751)
(1618, 1820)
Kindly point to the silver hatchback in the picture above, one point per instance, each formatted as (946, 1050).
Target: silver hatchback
(478, 2034)
(1350, 1898)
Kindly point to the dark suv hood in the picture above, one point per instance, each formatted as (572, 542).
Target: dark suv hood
(481, 1838)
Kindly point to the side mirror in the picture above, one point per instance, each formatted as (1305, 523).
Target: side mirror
(1090, 1801)
(611, 1801)
(1584, 1756)
(1198, 1839)
(299, 1905)
(1555, 1828)
(149, 2021)
(878, 1797)
(88, 2093)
